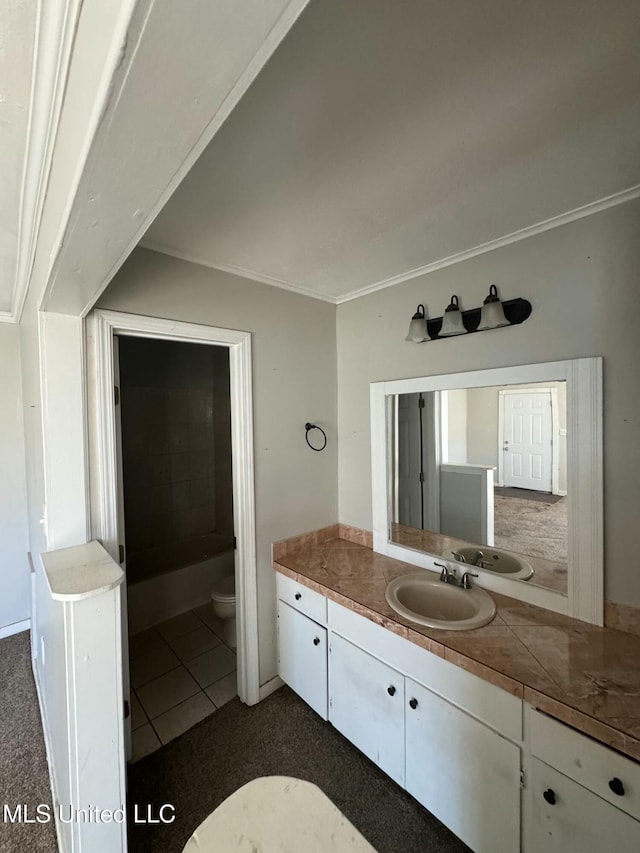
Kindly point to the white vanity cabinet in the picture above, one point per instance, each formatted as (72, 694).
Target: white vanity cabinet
(302, 644)
(583, 796)
(446, 752)
(367, 705)
(567, 818)
(464, 773)
(454, 741)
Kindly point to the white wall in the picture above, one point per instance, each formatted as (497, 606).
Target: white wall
(14, 570)
(456, 421)
(52, 385)
(294, 376)
(582, 281)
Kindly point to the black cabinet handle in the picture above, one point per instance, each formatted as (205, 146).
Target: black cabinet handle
(298, 596)
(391, 690)
(550, 796)
(316, 641)
(413, 703)
(616, 786)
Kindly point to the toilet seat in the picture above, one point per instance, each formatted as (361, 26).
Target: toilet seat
(224, 590)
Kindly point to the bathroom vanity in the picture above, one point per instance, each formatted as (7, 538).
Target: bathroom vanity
(473, 724)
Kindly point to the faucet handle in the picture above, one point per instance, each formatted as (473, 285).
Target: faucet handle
(465, 582)
(445, 574)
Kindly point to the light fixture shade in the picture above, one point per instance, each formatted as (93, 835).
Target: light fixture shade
(492, 314)
(452, 321)
(417, 327)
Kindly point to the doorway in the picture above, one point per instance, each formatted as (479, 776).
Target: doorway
(177, 538)
(109, 329)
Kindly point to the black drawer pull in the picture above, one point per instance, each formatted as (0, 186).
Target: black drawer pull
(316, 641)
(616, 786)
(413, 703)
(550, 796)
(391, 690)
(298, 596)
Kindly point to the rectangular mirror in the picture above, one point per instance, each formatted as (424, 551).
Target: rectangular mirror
(499, 471)
(479, 475)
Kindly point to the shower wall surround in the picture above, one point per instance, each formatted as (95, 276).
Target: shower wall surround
(176, 448)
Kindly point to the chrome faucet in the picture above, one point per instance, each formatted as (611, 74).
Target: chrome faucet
(459, 557)
(465, 581)
(446, 575)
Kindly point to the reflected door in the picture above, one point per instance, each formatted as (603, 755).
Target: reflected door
(527, 451)
(409, 464)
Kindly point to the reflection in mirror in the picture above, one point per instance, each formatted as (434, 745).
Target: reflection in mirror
(479, 475)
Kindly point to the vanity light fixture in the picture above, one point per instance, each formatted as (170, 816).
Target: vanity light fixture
(452, 321)
(418, 327)
(492, 314)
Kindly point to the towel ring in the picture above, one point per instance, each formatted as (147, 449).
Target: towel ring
(309, 427)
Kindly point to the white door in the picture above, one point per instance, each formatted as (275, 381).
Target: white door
(463, 772)
(366, 704)
(567, 818)
(126, 687)
(527, 450)
(302, 657)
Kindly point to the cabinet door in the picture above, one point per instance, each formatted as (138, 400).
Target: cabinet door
(567, 818)
(462, 772)
(366, 704)
(302, 657)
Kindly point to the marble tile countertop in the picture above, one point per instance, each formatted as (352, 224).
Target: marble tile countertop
(585, 676)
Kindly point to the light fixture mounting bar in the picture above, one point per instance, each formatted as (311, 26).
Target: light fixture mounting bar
(516, 312)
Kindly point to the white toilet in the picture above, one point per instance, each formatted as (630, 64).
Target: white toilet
(223, 601)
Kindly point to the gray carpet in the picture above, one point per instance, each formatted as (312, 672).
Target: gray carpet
(526, 494)
(24, 776)
(280, 736)
(531, 527)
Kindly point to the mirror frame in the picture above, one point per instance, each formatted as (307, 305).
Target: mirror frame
(585, 592)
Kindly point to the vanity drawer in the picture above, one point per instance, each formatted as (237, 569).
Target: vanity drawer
(302, 598)
(598, 768)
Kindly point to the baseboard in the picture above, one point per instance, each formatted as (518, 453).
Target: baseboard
(48, 753)
(15, 628)
(270, 687)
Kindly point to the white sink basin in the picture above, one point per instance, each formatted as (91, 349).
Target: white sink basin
(428, 601)
(493, 560)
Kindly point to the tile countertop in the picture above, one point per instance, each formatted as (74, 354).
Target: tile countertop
(585, 676)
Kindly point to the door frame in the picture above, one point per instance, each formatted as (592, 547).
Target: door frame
(555, 433)
(107, 324)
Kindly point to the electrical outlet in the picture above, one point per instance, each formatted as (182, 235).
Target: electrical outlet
(42, 649)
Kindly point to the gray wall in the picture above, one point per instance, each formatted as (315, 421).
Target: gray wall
(294, 376)
(14, 572)
(582, 280)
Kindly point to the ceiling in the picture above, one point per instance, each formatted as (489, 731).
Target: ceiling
(17, 34)
(384, 136)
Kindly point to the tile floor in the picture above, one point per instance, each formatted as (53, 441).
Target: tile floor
(180, 672)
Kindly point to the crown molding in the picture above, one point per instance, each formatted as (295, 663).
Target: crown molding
(240, 271)
(522, 234)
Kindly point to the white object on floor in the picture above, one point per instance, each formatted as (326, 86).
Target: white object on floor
(223, 601)
(277, 814)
